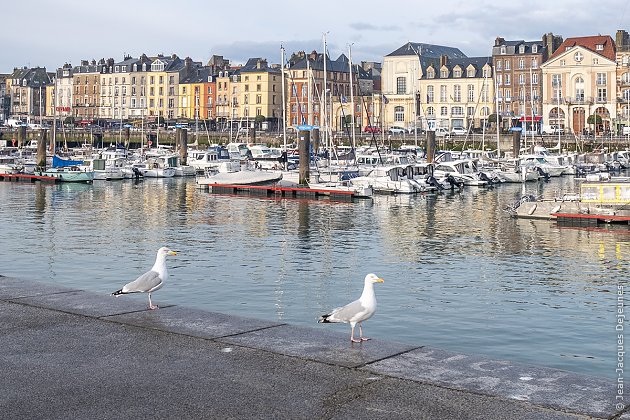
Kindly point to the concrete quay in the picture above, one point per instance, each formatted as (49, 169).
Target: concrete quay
(74, 354)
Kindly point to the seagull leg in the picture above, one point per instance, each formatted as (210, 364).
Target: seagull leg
(361, 338)
(151, 305)
(354, 340)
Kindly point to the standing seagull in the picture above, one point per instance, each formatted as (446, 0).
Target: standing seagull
(150, 281)
(357, 311)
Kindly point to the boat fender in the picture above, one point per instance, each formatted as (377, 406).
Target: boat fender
(555, 209)
(532, 210)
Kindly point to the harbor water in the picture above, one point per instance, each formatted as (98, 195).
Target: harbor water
(460, 273)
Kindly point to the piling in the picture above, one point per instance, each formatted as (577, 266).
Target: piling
(127, 136)
(304, 146)
(181, 139)
(21, 136)
(516, 143)
(315, 140)
(430, 146)
(41, 149)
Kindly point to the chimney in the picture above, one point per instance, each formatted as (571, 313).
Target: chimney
(498, 41)
(622, 39)
(443, 60)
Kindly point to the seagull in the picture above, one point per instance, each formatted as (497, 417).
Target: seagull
(150, 281)
(357, 311)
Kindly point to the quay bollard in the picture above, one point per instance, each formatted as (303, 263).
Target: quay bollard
(182, 138)
(516, 143)
(315, 140)
(21, 136)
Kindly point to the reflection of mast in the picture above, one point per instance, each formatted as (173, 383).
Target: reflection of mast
(284, 104)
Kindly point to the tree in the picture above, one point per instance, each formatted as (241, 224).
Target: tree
(492, 118)
(594, 119)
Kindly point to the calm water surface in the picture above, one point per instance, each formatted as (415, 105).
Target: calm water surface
(460, 274)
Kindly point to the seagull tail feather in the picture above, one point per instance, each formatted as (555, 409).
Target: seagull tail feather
(324, 319)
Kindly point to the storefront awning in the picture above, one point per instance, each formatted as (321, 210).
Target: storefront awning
(535, 118)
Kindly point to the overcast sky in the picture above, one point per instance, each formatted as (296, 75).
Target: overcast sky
(46, 33)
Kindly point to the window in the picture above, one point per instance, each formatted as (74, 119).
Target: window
(521, 63)
(430, 94)
(600, 79)
(258, 88)
(457, 111)
(535, 48)
(521, 49)
(599, 47)
(534, 78)
(625, 78)
(562, 62)
(399, 114)
(595, 61)
(258, 99)
(499, 79)
(442, 93)
(444, 111)
(430, 74)
(471, 111)
(503, 49)
(507, 64)
(602, 94)
(507, 79)
(521, 79)
(499, 64)
(578, 56)
(401, 85)
(507, 94)
(457, 72)
(471, 93)
(457, 93)
(444, 73)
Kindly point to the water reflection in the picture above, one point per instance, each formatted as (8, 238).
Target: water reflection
(460, 273)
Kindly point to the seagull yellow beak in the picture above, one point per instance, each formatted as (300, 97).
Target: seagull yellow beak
(172, 253)
(379, 280)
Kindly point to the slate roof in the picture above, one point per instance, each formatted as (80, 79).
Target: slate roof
(340, 65)
(477, 62)
(513, 47)
(34, 77)
(427, 50)
(198, 75)
(589, 42)
(252, 67)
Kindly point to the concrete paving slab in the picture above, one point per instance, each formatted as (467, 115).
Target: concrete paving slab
(16, 288)
(75, 367)
(192, 322)
(87, 303)
(553, 388)
(322, 346)
(392, 398)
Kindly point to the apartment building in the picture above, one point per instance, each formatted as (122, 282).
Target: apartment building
(622, 41)
(227, 91)
(86, 89)
(260, 93)
(455, 92)
(579, 81)
(518, 79)
(402, 71)
(4, 98)
(197, 95)
(26, 88)
(306, 101)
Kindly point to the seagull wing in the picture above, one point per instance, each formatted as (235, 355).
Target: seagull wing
(352, 312)
(148, 282)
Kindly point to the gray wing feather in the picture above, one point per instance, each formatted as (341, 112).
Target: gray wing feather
(347, 313)
(147, 282)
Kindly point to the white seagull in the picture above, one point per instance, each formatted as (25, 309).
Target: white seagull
(150, 281)
(357, 311)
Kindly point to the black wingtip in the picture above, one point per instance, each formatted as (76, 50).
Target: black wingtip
(324, 319)
(117, 292)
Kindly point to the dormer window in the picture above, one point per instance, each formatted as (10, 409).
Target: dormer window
(457, 72)
(503, 49)
(443, 73)
(471, 73)
(117, 69)
(521, 49)
(599, 47)
(567, 48)
(534, 48)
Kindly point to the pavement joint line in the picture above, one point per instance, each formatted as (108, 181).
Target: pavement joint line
(390, 356)
(41, 295)
(17, 301)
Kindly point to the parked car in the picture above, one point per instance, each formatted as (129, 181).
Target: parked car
(442, 132)
(459, 131)
(396, 130)
(371, 129)
(553, 129)
(413, 130)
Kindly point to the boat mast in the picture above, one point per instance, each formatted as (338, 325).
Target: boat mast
(496, 107)
(284, 108)
(309, 107)
(325, 102)
(351, 97)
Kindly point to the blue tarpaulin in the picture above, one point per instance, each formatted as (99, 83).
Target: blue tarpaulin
(61, 163)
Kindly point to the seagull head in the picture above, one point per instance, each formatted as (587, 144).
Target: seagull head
(164, 251)
(373, 278)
